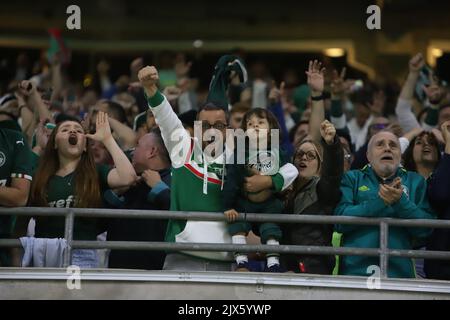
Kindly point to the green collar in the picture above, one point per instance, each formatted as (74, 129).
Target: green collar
(369, 171)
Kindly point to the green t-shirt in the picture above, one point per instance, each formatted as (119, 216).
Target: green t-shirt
(61, 195)
(15, 162)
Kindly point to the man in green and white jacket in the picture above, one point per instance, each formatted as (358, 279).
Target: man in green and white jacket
(191, 189)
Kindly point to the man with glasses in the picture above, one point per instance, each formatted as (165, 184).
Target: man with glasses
(198, 175)
(382, 189)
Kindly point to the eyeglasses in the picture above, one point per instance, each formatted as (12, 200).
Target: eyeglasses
(310, 155)
(218, 125)
(347, 157)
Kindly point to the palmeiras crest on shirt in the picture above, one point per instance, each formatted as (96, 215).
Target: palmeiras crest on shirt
(2, 158)
(267, 163)
(405, 190)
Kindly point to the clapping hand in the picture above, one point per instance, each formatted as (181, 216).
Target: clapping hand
(391, 193)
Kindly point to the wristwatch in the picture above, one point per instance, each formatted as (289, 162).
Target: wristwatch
(318, 98)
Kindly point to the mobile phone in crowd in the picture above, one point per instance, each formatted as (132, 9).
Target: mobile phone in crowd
(357, 85)
(424, 80)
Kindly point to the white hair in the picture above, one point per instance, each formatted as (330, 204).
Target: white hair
(371, 141)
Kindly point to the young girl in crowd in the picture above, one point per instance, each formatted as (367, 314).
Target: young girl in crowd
(67, 176)
(423, 154)
(261, 157)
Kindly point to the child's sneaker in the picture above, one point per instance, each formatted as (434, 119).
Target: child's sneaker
(242, 267)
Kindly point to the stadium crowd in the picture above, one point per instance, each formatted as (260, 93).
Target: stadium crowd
(116, 143)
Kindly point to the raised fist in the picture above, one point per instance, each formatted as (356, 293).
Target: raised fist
(328, 132)
(276, 94)
(148, 77)
(26, 88)
(416, 63)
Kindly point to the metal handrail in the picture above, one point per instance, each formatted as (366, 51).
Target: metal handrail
(383, 223)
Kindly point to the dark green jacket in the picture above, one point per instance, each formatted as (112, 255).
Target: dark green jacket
(360, 198)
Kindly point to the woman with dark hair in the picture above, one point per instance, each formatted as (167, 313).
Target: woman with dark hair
(422, 154)
(67, 176)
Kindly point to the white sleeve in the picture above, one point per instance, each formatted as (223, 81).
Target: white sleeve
(404, 144)
(289, 173)
(290, 123)
(184, 103)
(405, 116)
(176, 138)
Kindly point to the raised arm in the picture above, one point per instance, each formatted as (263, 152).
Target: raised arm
(123, 174)
(405, 116)
(339, 89)
(28, 89)
(276, 96)
(415, 65)
(435, 94)
(57, 80)
(176, 138)
(332, 167)
(28, 120)
(125, 133)
(316, 81)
